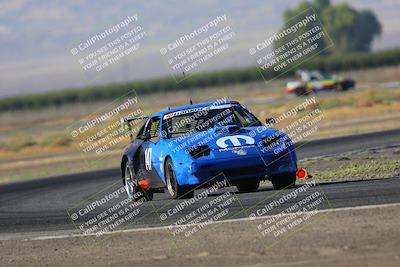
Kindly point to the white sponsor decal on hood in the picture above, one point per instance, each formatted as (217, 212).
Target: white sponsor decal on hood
(235, 140)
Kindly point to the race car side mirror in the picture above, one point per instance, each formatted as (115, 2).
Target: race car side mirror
(270, 121)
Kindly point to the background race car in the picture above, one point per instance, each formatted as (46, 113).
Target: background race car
(314, 81)
(198, 145)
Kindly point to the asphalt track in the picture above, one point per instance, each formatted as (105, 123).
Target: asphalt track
(46, 205)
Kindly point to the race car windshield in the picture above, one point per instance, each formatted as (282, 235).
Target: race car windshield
(204, 119)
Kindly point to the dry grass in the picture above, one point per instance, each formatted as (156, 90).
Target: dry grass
(373, 164)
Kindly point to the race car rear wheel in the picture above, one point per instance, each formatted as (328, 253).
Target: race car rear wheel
(174, 189)
(282, 182)
(248, 186)
(301, 91)
(134, 191)
(346, 85)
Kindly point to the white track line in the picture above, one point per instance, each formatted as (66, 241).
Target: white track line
(215, 222)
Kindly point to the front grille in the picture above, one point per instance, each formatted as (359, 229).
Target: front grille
(242, 171)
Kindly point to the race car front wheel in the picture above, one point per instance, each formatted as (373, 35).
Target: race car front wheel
(283, 182)
(174, 189)
(133, 190)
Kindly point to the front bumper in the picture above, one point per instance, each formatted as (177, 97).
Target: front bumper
(250, 167)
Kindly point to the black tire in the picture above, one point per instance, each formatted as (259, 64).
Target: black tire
(282, 182)
(175, 190)
(301, 91)
(248, 186)
(347, 85)
(135, 191)
(340, 87)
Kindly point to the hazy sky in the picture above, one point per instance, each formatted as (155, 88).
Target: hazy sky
(36, 36)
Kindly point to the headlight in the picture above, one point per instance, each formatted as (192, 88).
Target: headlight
(199, 151)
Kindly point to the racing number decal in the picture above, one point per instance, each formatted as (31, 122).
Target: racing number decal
(147, 158)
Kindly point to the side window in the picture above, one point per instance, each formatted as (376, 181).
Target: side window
(153, 128)
(140, 132)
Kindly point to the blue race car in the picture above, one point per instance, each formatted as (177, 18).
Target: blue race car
(195, 146)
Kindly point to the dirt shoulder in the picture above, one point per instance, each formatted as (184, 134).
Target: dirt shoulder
(360, 237)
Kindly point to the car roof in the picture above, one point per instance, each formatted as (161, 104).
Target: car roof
(200, 105)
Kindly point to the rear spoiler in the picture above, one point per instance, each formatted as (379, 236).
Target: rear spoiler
(128, 120)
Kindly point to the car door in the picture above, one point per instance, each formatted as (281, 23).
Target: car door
(150, 152)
